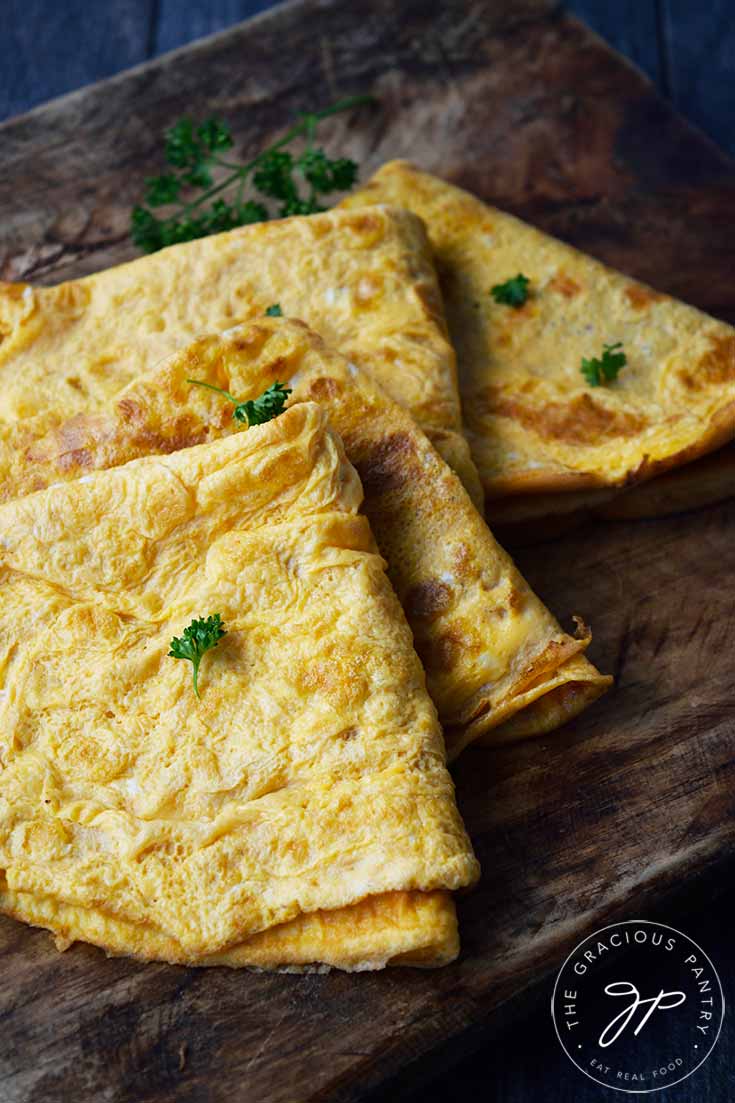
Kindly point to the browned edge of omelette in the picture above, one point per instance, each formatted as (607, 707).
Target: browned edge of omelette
(707, 481)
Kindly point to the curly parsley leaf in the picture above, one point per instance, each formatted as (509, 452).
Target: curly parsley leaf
(253, 411)
(160, 190)
(145, 230)
(326, 176)
(201, 635)
(214, 135)
(284, 183)
(274, 311)
(605, 369)
(513, 292)
(270, 404)
(274, 177)
(181, 147)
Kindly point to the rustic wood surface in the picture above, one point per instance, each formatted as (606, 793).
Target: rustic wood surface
(520, 103)
(47, 48)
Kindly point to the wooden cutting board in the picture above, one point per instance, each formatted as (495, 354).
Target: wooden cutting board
(523, 105)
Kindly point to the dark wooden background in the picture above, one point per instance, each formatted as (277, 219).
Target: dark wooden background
(687, 47)
(47, 47)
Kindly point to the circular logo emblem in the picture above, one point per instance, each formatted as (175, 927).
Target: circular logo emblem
(632, 990)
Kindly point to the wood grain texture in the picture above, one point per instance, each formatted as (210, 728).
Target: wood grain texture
(688, 50)
(518, 102)
(524, 1063)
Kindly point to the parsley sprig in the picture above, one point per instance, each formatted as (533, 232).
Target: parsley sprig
(293, 183)
(604, 369)
(201, 635)
(274, 311)
(513, 292)
(253, 411)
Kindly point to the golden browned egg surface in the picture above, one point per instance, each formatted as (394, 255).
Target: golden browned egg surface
(533, 422)
(364, 280)
(308, 779)
(498, 665)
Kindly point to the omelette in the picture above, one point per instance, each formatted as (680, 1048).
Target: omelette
(300, 811)
(536, 427)
(364, 280)
(498, 666)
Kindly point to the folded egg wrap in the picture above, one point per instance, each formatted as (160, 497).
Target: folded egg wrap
(498, 665)
(301, 811)
(364, 280)
(536, 427)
